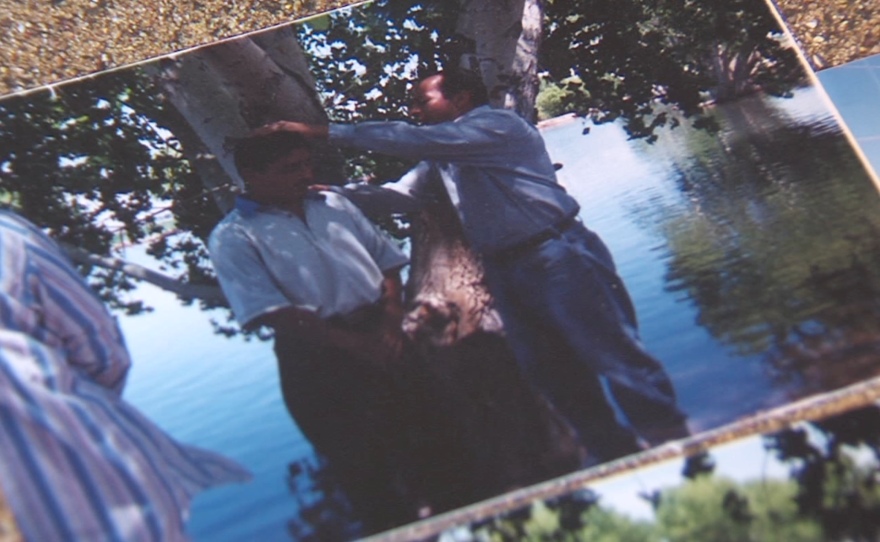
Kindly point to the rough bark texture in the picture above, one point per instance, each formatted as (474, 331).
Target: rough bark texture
(525, 64)
(494, 27)
(225, 90)
(511, 433)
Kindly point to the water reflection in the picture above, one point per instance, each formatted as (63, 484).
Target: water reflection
(752, 254)
(775, 241)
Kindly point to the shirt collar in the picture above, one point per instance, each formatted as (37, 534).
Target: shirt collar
(474, 111)
(249, 207)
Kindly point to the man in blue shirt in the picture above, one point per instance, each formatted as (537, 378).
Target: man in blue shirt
(568, 315)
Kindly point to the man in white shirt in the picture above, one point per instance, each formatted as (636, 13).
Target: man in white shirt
(310, 266)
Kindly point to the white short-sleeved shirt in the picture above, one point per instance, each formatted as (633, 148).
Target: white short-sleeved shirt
(267, 258)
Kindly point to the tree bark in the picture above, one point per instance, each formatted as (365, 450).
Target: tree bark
(494, 26)
(523, 95)
(506, 35)
(224, 91)
(512, 435)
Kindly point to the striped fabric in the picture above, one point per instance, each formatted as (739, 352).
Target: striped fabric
(76, 461)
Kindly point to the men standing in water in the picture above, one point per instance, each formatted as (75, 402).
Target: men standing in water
(311, 267)
(568, 314)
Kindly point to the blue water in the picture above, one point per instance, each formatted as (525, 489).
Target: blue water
(223, 394)
(609, 177)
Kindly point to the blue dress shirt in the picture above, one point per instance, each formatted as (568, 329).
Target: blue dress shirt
(493, 164)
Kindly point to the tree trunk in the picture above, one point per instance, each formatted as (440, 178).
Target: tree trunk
(523, 95)
(224, 91)
(506, 35)
(513, 435)
(494, 26)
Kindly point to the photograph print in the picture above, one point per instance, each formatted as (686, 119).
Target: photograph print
(403, 257)
(812, 481)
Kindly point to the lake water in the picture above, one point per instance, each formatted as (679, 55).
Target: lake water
(748, 254)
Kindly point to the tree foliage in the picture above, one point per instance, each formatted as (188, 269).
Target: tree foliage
(836, 485)
(718, 509)
(92, 164)
(366, 60)
(831, 495)
(620, 59)
(700, 509)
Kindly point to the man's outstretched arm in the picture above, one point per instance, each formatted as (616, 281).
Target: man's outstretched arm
(314, 131)
(406, 195)
(472, 141)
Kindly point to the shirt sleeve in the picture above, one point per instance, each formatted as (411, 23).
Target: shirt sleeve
(406, 195)
(46, 298)
(473, 140)
(247, 284)
(381, 247)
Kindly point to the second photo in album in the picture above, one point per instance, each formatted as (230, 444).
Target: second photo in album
(403, 257)
(812, 482)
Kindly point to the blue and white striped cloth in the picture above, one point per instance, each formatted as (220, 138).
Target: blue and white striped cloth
(76, 461)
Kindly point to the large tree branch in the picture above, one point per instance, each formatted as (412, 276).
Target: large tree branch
(211, 294)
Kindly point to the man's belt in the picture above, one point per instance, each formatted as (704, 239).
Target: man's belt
(553, 232)
(360, 319)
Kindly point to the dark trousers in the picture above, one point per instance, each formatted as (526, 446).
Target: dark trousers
(571, 322)
(382, 430)
(347, 412)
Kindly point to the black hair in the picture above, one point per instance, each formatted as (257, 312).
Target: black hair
(256, 153)
(461, 80)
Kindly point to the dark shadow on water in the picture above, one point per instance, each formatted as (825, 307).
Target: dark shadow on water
(324, 510)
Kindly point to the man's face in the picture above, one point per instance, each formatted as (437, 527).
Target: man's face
(430, 106)
(285, 180)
